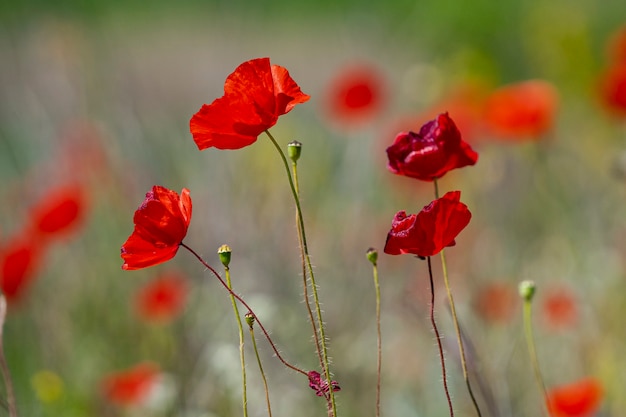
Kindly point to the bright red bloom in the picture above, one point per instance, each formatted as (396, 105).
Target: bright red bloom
(355, 95)
(255, 95)
(161, 224)
(429, 154)
(431, 230)
(559, 308)
(59, 212)
(578, 399)
(19, 263)
(613, 89)
(520, 110)
(130, 386)
(162, 299)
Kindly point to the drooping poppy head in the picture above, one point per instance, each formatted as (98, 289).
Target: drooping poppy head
(355, 95)
(20, 258)
(163, 298)
(522, 110)
(255, 95)
(429, 231)
(578, 399)
(132, 386)
(559, 308)
(60, 212)
(612, 89)
(429, 154)
(161, 224)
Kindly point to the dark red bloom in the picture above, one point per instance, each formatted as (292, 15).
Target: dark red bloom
(429, 154)
(522, 110)
(613, 89)
(321, 386)
(255, 95)
(431, 230)
(59, 212)
(578, 399)
(19, 262)
(130, 386)
(163, 298)
(161, 223)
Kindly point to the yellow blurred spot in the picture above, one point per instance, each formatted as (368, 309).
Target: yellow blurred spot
(48, 386)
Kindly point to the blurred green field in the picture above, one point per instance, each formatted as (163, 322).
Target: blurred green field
(100, 94)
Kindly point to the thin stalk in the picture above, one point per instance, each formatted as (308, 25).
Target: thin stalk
(379, 348)
(530, 341)
(455, 319)
(244, 391)
(4, 368)
(258, 359)
(318, 309)
(432, 320)
(238, 298)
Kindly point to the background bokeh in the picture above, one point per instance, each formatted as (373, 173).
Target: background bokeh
(100, 94)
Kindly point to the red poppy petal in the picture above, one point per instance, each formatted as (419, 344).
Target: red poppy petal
(286, 91)
(19, 262)
(578, 399)
(139, 253)
(131, 386)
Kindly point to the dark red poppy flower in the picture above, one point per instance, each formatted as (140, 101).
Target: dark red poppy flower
(559, 308)
(431, 230)
(163, 298)
(59, 212)
(255, 95)
(613, 89)
(578, 399)
(522, 110)
(19, 262)
(131, 386)
(429, 154)
(355, 95)
(161, 223)
(320, 386)
(496, 302)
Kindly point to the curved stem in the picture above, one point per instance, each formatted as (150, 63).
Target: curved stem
(318, 309)
(258, 360)
(432, 320)
(455, 319)
(379, 339)
(530, 340)
(238, 298)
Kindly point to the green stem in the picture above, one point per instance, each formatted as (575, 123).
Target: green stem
(379, 339)
(530, 341)
(455, 319)
(258, 360)
(244, 393)
(318, 309)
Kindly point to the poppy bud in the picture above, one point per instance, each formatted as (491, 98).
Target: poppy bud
(294, 149)
(527, 290)
(250, 319)
(224, 254)
(372, 255)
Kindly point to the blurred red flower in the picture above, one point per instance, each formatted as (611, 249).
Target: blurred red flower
(60, 212)
(355, 95)
(429, 154)
(429, 231)
(617, 46)
(255, 95)
(496, 302)
(19, 262)
(131, 386)
(613, 89)
(163, 298)
(521, 110)
(578, 399)
(559, 308)
(161, 224)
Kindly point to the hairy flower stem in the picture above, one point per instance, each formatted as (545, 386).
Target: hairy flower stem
(258, 360)
(4, 368)
(332, 412)
(238, 298)
(530, 341)
(379, 345)
(305, 286)
(244, 393)
(432, 320)
(455, 319)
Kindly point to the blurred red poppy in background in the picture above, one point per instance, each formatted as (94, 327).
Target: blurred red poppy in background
(616, 46)
(255, 95)
(59, 212)
(429, 154)
(559, 307)
(355, 95)
(163, 298)
(612, 89)
(496, 302)
(522, 110)
(161, 224)
(433, 228)
(130, 387)
(578, 399)
(20, 258)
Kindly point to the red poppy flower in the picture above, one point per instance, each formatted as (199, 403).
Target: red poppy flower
(613, 89)
(130, 386)
(429, 231)
(524, 109)
(429, 154)
(255, 95)
(161, 223)
(578, 399)
(496, 302)
(59, 212)
(19, 263)
(355, 95)
(559, 308)
(163, 298)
